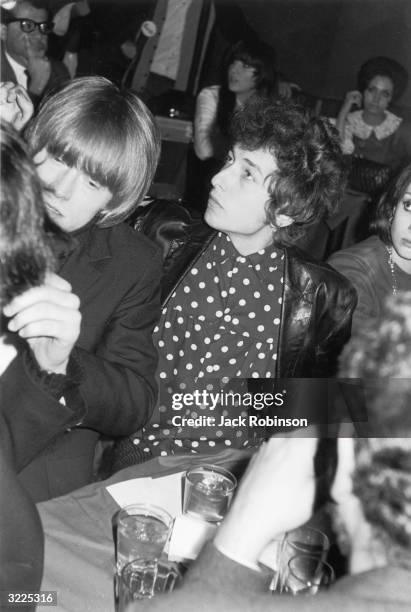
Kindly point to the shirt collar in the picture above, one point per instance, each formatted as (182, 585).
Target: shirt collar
(19, 70)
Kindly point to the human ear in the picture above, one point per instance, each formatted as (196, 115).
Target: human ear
(3, 32)
(283, 220)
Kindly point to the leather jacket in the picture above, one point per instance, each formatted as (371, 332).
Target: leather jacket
(317, 301)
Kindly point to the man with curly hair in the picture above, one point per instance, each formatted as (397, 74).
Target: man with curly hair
(239, 300)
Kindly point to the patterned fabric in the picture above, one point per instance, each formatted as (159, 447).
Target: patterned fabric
(356, 126)
(221, 325)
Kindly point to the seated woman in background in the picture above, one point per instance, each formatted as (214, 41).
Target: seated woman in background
(381, 265)
(96, 150)
(248, 70)
(375, 133)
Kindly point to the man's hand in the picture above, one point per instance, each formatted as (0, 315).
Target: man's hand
(15, 105)
(48, 318)
(38, 67)
(276, 495)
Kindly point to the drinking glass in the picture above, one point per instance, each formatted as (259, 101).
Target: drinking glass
(144, 578)
(208, 491)
(142, 531)
(303, 540)
(306, 574)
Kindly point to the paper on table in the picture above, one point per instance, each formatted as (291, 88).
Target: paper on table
(188, 537)
(164, 492)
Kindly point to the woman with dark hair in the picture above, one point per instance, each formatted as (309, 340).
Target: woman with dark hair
(248, 70)
(375, 133)
(381, 265)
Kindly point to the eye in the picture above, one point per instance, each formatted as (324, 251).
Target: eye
(58, 159)
(247, 175)
(229, 159)
(93, 184)
(407, 204)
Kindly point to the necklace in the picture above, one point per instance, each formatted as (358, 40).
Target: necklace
(392, 268)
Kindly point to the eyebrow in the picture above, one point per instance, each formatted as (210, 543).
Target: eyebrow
(254, 166)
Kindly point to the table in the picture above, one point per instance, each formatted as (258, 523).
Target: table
(78, 528)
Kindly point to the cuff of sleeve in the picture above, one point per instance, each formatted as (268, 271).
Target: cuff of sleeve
(56, 385)
(235, 557)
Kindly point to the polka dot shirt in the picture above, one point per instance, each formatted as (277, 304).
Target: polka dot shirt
(221, 325)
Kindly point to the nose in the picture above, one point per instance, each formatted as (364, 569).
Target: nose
(63, 183)
(220, 179)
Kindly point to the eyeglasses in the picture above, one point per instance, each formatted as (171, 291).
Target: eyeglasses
(28, 25)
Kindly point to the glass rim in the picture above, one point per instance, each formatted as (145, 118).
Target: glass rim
(311, 529)
(145, 510)
(214, 468)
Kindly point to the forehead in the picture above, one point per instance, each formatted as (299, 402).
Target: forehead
(261, 159)
(23, 10)
(381, 82)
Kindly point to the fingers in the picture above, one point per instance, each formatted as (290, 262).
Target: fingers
(54, 290)
(48, 319)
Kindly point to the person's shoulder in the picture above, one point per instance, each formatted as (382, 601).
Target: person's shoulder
(363, 252)
(126, 242)
(311, 272)
(212, 91)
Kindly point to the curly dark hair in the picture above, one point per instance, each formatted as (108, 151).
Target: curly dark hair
(385, 211)
(387, 67)
(311, 175)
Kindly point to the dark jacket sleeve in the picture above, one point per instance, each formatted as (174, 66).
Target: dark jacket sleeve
(119, 385)
(32, 414)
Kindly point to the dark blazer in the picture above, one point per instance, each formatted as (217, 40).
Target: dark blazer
(116, 272)
(58, 75)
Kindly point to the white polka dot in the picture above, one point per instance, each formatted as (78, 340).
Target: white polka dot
(268, 374)
(251, 315)
(217, 336)
(178, 307)
(272, 268)
(267, 308)
(227, 318)
(240, 343)
(180, 320)
(194, 304)
(208, 355)
(201, 284)
(261, 355)
(224, 293)
(216, 279)
(175, 338)
(209, 368)
(273, 255)
(246, 281)
(255, 375)
(194, 443)
(260, 328)
(189, 366)
(235, 321)
(224, 349)
(201, 317)
(257, 267)
(182, 385)
(194, 271)
(155, 329)
(210, 299)
(186, 289)
(169, 357)
(161, 343)
(193, 347)
(178, 443)
(167, 324)
(181, 353)
(231, 291)
(280, 300)
(257, 294)
(207, 340)
(211, 443)
(276, 321)
(197, 327)
(227, 442)
(164, 311)
(232, 361)
(219, 313)
(136, 441)
(270, 340)
(229, 274)
(209, 266)
(222, 251)
(216, 367)
(275, 356)
(242, 302)
(187, 334)
(163, 453)
(163, 375)
(235, 270)
(270, 287)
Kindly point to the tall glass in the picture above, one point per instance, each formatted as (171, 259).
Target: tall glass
(208, 491)
(142, 531)
(302, 541)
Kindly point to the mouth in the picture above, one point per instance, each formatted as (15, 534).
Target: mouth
(406, 243)
(212, 201)
(52, 210)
